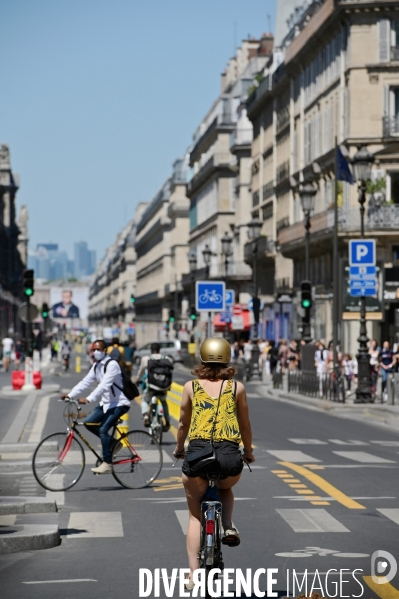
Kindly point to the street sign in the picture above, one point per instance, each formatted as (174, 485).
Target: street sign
(210, 296)
(226, 316)
(237, 323)
(229, 297)
(364, 292)
(362, 272)
(368, 283)
(23, 312)
(362, 252)
(251, 304)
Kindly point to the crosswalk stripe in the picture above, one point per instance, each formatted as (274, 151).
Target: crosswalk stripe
(291, 456)
(391, 513)
(311, 520)
(83, 525)
(363, 457)
(350, 442)
(308, 441)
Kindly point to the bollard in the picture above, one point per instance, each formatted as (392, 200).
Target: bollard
(77, 364)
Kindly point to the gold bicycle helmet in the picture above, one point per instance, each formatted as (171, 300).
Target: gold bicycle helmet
(215, 350)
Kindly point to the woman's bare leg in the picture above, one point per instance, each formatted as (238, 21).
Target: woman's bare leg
(195, 489)
(227, 499)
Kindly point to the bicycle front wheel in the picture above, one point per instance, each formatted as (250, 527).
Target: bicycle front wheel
(58, 462)
(137, 460)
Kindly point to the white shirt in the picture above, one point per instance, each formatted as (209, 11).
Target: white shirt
(111, 396)
(7, 344)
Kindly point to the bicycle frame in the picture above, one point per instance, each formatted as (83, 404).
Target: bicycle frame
(210, 553)
(72, 430)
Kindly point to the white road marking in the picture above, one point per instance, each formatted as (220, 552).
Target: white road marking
(95, 524)
(40, 420)
(166, 457)
(182, 516)
(7, 520)
(60, 581)
(391, 513)
(57, 496)
(312, 520)
(364, 457)
(291, 456)
(386, 443)
(350, 442)
(311, 498)
(308, 441)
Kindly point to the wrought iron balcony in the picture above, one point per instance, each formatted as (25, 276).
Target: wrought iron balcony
(390, 126)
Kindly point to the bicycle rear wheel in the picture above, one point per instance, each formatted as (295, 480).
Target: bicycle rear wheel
(58, 462)
(136, 460)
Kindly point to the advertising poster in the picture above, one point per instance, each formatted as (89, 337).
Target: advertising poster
(69, 302)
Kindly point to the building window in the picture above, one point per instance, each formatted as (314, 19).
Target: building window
(267, 211)
(255, 198)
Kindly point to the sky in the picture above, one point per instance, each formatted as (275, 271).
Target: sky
(101, 96)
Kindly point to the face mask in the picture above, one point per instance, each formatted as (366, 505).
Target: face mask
(98, 355)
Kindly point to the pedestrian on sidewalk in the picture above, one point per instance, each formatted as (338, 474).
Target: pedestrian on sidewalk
(374, 352)
(107, 373)
(349, 370)
(387, 363)
(321, 357)
(8, 345)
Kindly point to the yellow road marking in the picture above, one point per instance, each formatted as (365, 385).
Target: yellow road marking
(304, 492)
(325, 486)
(320, 503)
(385, 591)
(279, 472)
(314, 467)
(296, 486)
(168, 487)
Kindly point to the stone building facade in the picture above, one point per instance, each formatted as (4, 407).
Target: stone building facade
(335, 79)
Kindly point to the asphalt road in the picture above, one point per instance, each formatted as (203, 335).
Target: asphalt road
(323, 495)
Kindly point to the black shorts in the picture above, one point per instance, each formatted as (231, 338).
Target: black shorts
(229, 460)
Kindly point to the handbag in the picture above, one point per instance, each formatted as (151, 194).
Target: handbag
(205, 456)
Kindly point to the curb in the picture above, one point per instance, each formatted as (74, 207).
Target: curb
(29, 537)
(7, 390)
(26, 505)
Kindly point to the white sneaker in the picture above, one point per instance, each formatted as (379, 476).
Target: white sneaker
(103, 468)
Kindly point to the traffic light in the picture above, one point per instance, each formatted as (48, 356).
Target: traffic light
(132, 299)
(45, 311)
(193, 314)
(171, 316)
(28, 282)
(306, 295)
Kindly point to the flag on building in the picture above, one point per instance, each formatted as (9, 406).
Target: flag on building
(343, 171)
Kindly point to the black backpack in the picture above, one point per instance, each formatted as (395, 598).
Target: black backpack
(129, 389)
(159, 373)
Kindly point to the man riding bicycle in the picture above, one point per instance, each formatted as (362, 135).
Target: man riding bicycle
(160, 388)
(107, 373)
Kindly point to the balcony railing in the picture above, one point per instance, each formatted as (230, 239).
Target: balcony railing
(384, 218)
(390, 126)
(217, 160)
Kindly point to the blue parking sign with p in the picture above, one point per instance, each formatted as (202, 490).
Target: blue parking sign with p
(362, 252)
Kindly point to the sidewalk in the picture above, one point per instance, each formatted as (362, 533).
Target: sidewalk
(378, 414)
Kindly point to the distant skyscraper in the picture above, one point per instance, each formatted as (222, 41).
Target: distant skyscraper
(85, 260)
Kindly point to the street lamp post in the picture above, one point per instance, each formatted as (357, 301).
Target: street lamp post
(192, 260)
(227, 252)
(254, 228)
(207, 255)
(362, 162)
(307, 195)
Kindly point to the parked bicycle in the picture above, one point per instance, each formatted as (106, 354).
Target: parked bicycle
(59, 460)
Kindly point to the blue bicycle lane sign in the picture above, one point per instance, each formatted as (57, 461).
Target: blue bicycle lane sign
(210, 296)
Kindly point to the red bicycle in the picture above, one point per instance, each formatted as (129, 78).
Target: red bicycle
(59, 460)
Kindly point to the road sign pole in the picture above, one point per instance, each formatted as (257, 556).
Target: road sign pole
(363, 391)
(28, 386)
(209, 331)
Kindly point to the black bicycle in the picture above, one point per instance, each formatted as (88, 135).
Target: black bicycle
(210, 553)
(59, 460)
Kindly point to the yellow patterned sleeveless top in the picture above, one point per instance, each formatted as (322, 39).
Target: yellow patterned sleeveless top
(204, 410)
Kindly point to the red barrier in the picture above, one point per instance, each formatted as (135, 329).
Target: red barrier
(18, 379)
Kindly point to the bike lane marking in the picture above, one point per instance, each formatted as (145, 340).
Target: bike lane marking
(325, 486)
(311, 520)
(363, 457)
(385, 591)
(40, 420)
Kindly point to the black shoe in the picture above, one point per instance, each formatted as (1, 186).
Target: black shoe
(166, 427)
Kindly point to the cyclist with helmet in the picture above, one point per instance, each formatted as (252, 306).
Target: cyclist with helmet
(213, 402)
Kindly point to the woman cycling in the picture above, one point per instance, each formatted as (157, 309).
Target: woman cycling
(213, 393)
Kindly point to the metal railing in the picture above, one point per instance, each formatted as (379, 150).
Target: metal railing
(326, 386)
(390, 126)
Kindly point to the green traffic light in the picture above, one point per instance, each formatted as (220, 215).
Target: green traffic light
(132, 300)
(171, 319)
(28, 292)
(193, 317)
(306, 303)
(44, 314)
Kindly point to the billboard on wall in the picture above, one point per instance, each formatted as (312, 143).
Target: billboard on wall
(69, 302)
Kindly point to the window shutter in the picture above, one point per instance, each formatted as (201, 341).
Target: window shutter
(384, 46)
